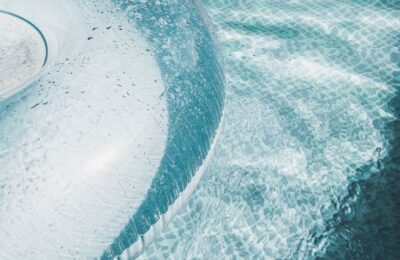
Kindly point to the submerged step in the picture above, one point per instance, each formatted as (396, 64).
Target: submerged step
(23, 52)
(80, 146)
(111, 136)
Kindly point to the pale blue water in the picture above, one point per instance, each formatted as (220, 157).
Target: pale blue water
(301, 100)
(195, 94)
(306, 163)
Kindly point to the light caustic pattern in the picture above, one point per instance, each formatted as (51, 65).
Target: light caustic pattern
(298, 164)
(102, 142)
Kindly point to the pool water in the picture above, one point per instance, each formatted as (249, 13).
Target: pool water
(280, 116)
(107, 141)
(306, 165)
(23, 49)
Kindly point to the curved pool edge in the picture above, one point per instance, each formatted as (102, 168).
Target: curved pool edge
(36, 29)
(194, 89)
(196, 96)
(73, 111)
(138, 247)
(8, 93)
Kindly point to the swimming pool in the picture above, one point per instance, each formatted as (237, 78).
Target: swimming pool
(290, 109)
(305, 166)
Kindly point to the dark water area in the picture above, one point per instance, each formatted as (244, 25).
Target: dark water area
(374, 231)
(366, 224)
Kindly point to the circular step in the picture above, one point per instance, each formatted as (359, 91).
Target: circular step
(23, 52)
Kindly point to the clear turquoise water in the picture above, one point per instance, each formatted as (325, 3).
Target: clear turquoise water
(304, 97)
(306, 165)
(187, 56)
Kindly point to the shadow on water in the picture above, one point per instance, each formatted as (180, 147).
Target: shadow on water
(365, 224)
(282, 31)
(374, 231)
(384, 4)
